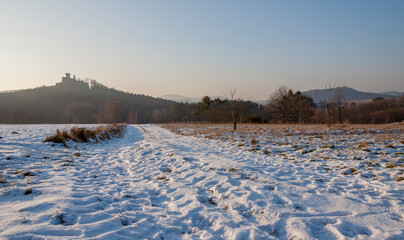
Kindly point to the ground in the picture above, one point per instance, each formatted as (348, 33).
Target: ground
(204, 182)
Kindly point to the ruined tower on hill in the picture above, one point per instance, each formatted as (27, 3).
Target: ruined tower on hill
(72, 84)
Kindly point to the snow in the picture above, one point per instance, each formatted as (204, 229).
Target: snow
(202, 184)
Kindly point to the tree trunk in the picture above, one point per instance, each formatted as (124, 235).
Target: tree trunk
(327, 115)
(233, 115)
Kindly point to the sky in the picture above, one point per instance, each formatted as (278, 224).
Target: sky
(197, 48)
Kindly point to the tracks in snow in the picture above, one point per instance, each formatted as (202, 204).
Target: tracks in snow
(157, 185)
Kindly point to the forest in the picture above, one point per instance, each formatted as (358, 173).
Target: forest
(80, 102)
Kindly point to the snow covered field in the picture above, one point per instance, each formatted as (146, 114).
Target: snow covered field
(204, 183)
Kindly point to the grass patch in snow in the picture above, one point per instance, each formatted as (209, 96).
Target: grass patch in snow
(86, 135)
(399, 178)
(391, 165)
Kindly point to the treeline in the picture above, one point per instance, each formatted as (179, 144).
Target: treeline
(286, 106)
(77, 101)
(379, 110)
(293, 107)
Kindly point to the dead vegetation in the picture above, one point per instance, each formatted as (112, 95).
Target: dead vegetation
(399, 178)
(360, 148)
(86, 135)
(390, 165)
(3, 180)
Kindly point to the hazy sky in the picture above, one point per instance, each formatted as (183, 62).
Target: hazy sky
(197, 48)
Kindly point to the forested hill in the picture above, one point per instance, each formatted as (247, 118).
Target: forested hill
(350, 94)
(77, 101)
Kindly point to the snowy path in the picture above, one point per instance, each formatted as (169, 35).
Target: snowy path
(153, 184)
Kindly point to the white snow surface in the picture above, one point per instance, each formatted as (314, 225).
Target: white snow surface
(154, 184)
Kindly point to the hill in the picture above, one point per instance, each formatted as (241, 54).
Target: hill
(182, 99)
(179, 98)
(351, 94)
(393, 93)
(76, 101)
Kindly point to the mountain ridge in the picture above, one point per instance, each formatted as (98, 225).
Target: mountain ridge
(350, 94)
(317, 94)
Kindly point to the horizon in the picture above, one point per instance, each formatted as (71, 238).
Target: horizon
(171, 96)
(195, 49)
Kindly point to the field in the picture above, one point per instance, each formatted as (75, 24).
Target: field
(198, 181)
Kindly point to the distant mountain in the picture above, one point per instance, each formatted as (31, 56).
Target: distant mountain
(179, 98)
(351, 94)
(393, 93)
(77, 101)
(261, 102)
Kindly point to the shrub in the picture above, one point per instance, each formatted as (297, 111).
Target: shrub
(254, 119)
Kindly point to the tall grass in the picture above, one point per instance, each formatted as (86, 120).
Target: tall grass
(82, 134)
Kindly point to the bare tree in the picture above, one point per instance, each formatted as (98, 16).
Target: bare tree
(232, 97)
(340, 103)
(288, 106)
(280, 102)
(328, 102)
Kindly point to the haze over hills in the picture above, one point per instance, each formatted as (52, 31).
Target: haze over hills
(179, 98)
(393, 93)
(76, 101)
(318, 95)
(184, 99)
(350, 94)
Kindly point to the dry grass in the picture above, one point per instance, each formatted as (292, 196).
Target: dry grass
(399, 178)
(390, 165)
(85, 135)
(383, 131)
(254, 141)
(57, 138)
(364, 145)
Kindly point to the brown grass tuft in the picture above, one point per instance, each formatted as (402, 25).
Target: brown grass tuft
(390, 165)
(399, 179)
(254, 141)
(364, 144)
(85, 135)
(353, 170)
(57, 138)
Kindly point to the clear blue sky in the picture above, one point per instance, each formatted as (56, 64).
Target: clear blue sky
(197, 48)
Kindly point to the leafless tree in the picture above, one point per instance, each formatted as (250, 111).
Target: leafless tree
(281, 104)
(328, 102)
(231, 96)
(340, 103)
